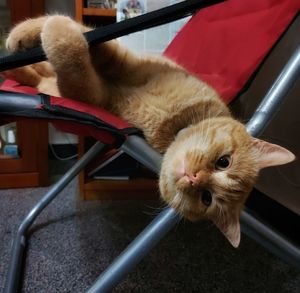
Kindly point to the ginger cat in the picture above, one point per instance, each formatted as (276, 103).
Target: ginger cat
(210, 162)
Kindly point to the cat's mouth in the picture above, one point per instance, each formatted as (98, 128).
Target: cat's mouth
(188, 179)
(188, 214)
(190, 185)
(188, 207)
(183, 184)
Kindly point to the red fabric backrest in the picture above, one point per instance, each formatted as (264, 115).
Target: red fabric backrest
(95, 111)
(225, 43)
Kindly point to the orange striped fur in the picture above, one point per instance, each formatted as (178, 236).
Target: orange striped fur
(180, 115)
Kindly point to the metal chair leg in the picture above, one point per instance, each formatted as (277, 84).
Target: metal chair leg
(19, 243)
(164, 222)
(269, 238)
(136, 251)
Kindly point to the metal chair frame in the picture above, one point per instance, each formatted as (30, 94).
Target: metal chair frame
(138, 148)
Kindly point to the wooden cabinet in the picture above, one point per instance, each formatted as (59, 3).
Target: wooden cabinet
(91, 189)
(93, 16)
(31, 168)
(20, 10)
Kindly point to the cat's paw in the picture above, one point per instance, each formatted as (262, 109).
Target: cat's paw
(25, 35)
(63, 46)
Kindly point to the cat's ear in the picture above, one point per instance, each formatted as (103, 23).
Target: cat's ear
(231, 229)
(270, 154)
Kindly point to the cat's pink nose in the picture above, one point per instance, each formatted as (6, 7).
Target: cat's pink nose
(196, 178)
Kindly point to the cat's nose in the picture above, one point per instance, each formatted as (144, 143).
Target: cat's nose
(196, 178)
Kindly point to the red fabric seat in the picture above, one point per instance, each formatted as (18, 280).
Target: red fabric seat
(83, 119)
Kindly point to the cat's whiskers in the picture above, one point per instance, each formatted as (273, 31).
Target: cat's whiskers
(178, 211)
(156, 210)
(208, 127)
(220, 213)
(176, 202)
(183, 205)
(202, 125)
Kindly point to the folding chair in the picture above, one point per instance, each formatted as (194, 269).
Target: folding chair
(18, 102)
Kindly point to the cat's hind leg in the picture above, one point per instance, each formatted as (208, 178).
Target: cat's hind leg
(68, 52)
(25, 75)
(30, 75)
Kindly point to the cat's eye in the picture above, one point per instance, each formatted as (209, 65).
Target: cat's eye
(223, 162)
(206, 197)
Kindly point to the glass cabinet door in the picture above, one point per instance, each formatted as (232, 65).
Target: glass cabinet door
(8, 141)
(30, 166)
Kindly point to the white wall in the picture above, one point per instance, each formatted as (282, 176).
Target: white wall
(148, 42)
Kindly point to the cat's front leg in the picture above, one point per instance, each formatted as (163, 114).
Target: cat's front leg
(25, 35)
(68, 52)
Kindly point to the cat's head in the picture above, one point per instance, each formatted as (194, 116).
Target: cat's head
(211, 167)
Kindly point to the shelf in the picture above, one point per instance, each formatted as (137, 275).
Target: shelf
(99, 12)
(94, 16)
(136, 188)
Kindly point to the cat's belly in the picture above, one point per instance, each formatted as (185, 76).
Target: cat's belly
(160, 124)
(151, 121)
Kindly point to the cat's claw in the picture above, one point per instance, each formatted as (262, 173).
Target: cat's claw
(14, 44)
(25, 35)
